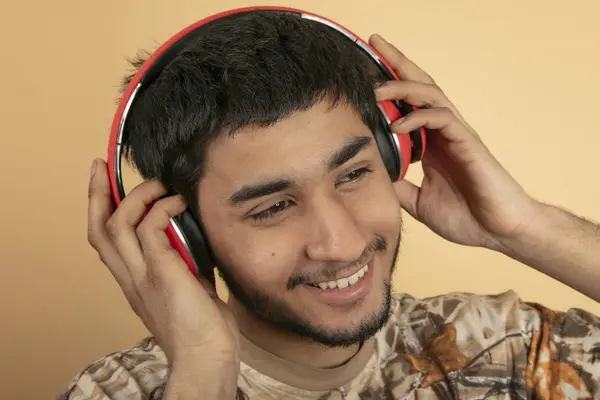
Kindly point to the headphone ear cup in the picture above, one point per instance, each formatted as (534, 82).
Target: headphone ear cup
(418, 137)
(188, 239)
(396, 150)
(389, 155)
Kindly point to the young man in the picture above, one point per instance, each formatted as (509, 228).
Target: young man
(264, 127)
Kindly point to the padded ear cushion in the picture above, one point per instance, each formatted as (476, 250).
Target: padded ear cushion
(387, 149)
(417, 137)
(393, 146)
(196, 244)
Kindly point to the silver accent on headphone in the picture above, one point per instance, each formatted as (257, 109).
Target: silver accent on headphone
(397, 145)
(352, 37)
(387, 120)
(330, 24)
(119, 178)
(373, 55)
(183, 240)
(118, 147)
(375, 58)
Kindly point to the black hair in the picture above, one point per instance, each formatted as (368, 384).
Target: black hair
(253, 69)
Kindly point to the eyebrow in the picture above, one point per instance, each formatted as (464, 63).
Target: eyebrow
(249, 192)
(349, 150)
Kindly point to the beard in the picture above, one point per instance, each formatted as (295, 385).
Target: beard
(278, 314)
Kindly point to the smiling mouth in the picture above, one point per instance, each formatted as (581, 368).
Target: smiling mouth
(342, 283)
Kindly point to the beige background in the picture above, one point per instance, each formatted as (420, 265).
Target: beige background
(525, 74)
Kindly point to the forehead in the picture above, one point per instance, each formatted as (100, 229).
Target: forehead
(300, 142)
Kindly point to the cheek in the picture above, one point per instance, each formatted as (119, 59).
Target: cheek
(260, 258)
(377, 207)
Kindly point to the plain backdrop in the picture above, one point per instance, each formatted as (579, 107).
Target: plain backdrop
(523, 73)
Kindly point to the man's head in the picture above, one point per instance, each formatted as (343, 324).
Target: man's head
(265, 125)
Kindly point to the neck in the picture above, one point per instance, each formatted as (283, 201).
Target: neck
(287, 345)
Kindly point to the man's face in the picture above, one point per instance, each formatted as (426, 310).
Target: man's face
(305, 223)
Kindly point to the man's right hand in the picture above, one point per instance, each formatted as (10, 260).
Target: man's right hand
(192, 325)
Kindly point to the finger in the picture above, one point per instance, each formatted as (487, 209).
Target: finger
(402, 66)
(100, 208)
(407, 193)
(164, 262)
(123, 224)
(151, 231)
(414, 93)
(418, 94)
(441, 119)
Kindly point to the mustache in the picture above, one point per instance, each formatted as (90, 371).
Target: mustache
(378, 244)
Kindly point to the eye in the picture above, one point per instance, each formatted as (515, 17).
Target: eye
(271, 211)
(354, 175)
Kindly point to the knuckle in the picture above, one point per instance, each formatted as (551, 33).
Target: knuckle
(113, 227)
(436, 89)
(429, 78)
(92, 237)
(436, 94)
(143, 227)
(102, 258)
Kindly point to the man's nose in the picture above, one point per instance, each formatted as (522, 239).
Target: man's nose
(334, 235)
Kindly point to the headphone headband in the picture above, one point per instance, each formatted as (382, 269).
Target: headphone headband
(153, 66)
(184, 232)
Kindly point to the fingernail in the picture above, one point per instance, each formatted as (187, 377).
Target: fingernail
(399, 121)
(93, 169)
(396, 126)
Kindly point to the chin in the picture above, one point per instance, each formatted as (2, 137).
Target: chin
(333, 317)
(353, 327)
(336, 320)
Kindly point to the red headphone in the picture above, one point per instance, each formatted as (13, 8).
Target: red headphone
(184, 232)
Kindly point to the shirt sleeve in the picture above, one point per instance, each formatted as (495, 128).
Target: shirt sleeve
(563, 360)
(138, 373)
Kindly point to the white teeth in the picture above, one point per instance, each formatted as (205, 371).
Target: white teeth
(353, 279)
(342, 283)
(345, 282)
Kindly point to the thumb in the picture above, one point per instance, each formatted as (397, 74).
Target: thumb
(100, 204)
(99, 185)
(407, 194)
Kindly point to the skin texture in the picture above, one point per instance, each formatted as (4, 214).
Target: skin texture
(324, 224)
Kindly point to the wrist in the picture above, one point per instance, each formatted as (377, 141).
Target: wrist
(202, 355)
(561, 245)
(531, 236)
(207, 377)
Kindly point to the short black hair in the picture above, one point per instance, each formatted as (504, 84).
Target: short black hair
(249, 70)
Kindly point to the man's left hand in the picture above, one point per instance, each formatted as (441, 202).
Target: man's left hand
(466, 196)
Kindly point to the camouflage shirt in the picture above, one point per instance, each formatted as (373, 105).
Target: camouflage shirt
(455, 346)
